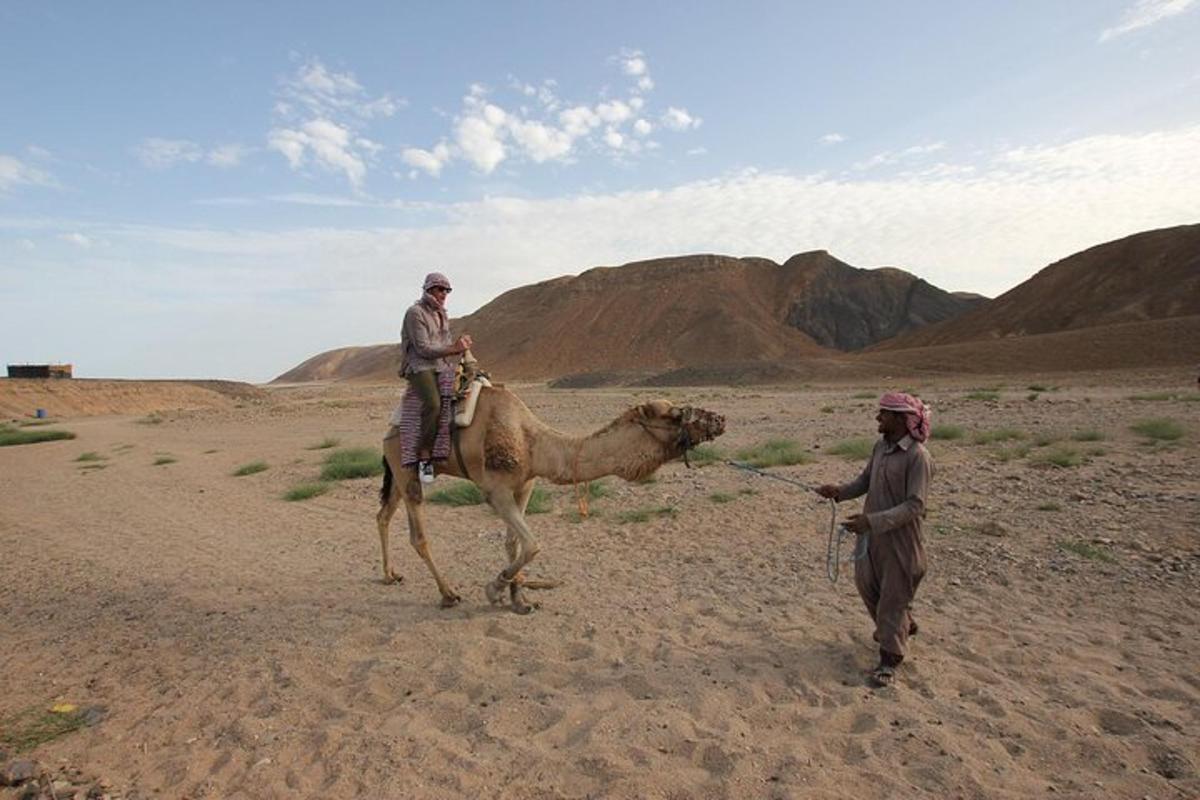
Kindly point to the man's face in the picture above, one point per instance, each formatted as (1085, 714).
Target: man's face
(440, 292)
(891, 424)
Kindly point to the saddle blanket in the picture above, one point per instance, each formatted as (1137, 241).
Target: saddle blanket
(406, 422)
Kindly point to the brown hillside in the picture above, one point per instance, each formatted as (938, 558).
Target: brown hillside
(675, 313)
(1151, 275)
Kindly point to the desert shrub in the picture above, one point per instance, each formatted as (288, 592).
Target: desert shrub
(1088, 435)
(705, 455)
(999, 435)
(645, 514)
(1037, 388)
(36, 423)
(1006, 454)
(1032, 396)
(1086, 550)
(947, 432)
(1158, 429)
(27, 729)
(983, 394)
(1153, 397)
(1049, 507)
(1061, 456)
(539, 501)
(305, 490)
(865, 396)
(325, 444)
(10, 436)
(152, 419)
(352, 462)
(722, 497)
(164, 460)
(775, 453)
(598, 489)
(1046, 438)
(852, 449)
(459, 493)
(748, 492)
(250, 469)
(827, 409)
(90, 455)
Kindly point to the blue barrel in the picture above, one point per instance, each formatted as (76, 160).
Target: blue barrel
(40, 413)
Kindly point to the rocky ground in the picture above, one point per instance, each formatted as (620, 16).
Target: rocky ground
(207, 638)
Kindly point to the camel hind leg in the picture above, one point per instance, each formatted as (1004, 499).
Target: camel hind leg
(520, 544)
(420, 543)
(389, 498)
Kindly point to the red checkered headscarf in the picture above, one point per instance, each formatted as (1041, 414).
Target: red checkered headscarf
(916, 414)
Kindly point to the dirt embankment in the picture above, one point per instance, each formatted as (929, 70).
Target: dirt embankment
(84, 397)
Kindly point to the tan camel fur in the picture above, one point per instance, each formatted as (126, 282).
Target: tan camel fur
(506, 448)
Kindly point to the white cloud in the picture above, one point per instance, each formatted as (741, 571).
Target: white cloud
(889, 157)
(430, 161)
(832, 138)
(159, 153)
(634, 65)
(228, 155)
(678, 119)
(613, 139)
(1143, 14)
(541, 142)
(77, 239)
(698, 151)
(643, 127)
(326, 143)
(480, 142)
(14, 172)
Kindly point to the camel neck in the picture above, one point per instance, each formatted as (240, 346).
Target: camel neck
(622, 449)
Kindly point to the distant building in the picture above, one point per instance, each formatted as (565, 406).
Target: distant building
(39, 370)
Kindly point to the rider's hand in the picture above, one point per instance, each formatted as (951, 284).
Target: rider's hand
(859, 524)
(828, 491)
(463, 344)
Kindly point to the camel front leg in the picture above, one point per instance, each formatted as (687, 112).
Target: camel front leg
(521, 546)
(393, 487)
(416, 535)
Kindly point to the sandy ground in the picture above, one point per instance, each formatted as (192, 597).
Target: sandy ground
(245, 647)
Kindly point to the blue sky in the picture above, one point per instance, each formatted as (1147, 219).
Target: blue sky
(224, 189)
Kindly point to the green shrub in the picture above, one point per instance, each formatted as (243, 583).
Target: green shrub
(539, 501)
(1158, 429)
(1049, 507)
(164, 460)
(853, 449)
(1087, 550)
(705, 455)
(827, 409)
(983, 394)
(1061, 456)
(865, 396)
(1087, 435)
(645, 514)
(722, 497)
(1044, 439)
(1006, 454)
(90, 456)
(1032, 396)
(1037, 388)
(598, 489)
(36, 423)
(27, 729)
(250, 469)
(305, 491)
(10, 436)
(1155, 397)
(325, 444)
(775, 453)
(152, 419)
(352, 462)
(999, 435)
(459, 493)
(947, 432)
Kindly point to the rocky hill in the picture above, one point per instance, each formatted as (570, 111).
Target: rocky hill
(677, 314)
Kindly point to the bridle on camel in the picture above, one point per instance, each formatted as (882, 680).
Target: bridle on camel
(837, 533)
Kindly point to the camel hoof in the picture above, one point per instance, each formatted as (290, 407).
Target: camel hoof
(524, 608)
(450, 601)
(393, 577)
(494, 592)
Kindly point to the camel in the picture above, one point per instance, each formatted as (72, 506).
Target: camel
(506, 449)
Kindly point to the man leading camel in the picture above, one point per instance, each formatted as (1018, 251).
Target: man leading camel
(426, 347)
(895, 481)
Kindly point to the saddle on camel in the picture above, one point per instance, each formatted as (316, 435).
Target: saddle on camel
(488, 436)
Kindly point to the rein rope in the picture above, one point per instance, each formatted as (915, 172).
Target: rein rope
(837, 533)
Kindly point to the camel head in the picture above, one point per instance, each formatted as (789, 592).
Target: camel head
(679, 428)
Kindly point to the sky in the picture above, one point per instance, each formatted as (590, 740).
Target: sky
(225, 189)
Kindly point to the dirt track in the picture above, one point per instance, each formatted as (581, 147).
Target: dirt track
(244, 646)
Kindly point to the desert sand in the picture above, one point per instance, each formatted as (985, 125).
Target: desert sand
(235, 645)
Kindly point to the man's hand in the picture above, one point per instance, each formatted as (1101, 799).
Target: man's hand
(828, 491)
(463, 344)
(859, 523)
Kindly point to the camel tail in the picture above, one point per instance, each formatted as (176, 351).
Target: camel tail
(386, 490)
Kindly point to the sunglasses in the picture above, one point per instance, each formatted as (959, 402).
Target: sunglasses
(445, 289)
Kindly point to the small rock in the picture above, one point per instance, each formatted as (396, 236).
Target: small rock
(17, 772)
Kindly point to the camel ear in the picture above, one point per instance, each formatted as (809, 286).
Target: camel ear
(655, 409)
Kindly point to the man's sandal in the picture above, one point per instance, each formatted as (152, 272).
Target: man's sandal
(883, 676)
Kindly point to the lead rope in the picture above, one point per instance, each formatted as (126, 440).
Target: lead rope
(837, 533)
(581, 497)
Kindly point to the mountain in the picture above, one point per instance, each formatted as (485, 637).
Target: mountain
(1153, 275)
(675, 314)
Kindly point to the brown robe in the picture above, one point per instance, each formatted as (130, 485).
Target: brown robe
(895, 480)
